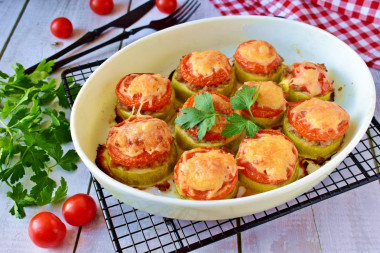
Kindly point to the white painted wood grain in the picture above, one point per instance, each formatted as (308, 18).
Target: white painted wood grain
(10, 10)
(31, 42)
(350, 222)
(32, 39)
(295, 232)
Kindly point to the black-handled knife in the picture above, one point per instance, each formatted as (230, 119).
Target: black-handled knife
(123, 22)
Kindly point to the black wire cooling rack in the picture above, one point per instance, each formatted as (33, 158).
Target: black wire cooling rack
(134, 230)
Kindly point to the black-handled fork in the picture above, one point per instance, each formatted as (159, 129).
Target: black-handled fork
(181, 15)
(122, 22)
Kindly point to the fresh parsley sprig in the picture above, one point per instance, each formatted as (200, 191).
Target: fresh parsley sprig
(31, 135)
(203, 114)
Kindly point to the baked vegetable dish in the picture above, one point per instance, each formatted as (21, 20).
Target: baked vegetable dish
(203, 71)
(229, 136)
(270, 106)
(188, 138)
(269, 161)
(316, 127)
(305, 80)
(139, 151)
(150, 93)
(257, 60)
(206, 174)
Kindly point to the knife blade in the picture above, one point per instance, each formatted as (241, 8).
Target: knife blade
(122, 22)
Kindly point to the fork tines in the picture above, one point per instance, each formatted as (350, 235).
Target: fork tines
(183, 13)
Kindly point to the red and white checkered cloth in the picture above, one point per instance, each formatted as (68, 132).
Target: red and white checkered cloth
(356, 22)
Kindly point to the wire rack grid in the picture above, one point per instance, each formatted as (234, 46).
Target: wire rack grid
(137, 231)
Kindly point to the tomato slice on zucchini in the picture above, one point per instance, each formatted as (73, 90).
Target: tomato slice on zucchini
(270, 158)
(146, 90)
(206, 174)
(306, 80)
(165, 113)
(319, 120)
(222, 105)
(205, 68)
(310, 149)
(258, 57)
(138, 176)
(310, 73)
(270, 105)
(139, 141)
(183, 92)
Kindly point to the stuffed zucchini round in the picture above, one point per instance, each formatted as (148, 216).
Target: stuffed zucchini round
(206, 174)
(269, 161)
(149, 93)
(188, 138)
(316, 127)
(257, 60)
(139, 151)
(270, 106)
(203, 71)
(302, 81)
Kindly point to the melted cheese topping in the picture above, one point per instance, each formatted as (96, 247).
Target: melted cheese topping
(206, 63)
(207, 171)
(134, 138)
(147, 86)
(258, 51)
(270, 95)
(269, 154)
(308, 76)
(321, 114)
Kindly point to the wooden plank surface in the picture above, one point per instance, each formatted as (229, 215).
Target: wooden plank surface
(31, 42)
(344, 223)
(12, 10)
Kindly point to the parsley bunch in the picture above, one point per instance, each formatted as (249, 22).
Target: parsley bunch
(203, 114)
(31, 135)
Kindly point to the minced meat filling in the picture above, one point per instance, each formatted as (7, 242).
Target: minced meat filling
(196, 88)
(322, 144)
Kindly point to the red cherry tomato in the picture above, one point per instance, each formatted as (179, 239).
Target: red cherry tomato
(46, 230)
(79, 209)
(101, 7)
(61, 27)
(166, 6)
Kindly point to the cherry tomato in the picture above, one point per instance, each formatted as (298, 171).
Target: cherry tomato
(79, 209)
(61, 27)
(166, 6)
(46, 230)
(101, 7)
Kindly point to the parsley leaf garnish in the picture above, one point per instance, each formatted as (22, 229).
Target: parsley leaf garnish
(203, 114)
(31, 135)
(243, 99)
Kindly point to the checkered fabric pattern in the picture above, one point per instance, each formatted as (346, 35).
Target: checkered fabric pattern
(356, 22)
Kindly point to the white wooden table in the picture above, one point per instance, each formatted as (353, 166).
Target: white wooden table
(346, 223)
